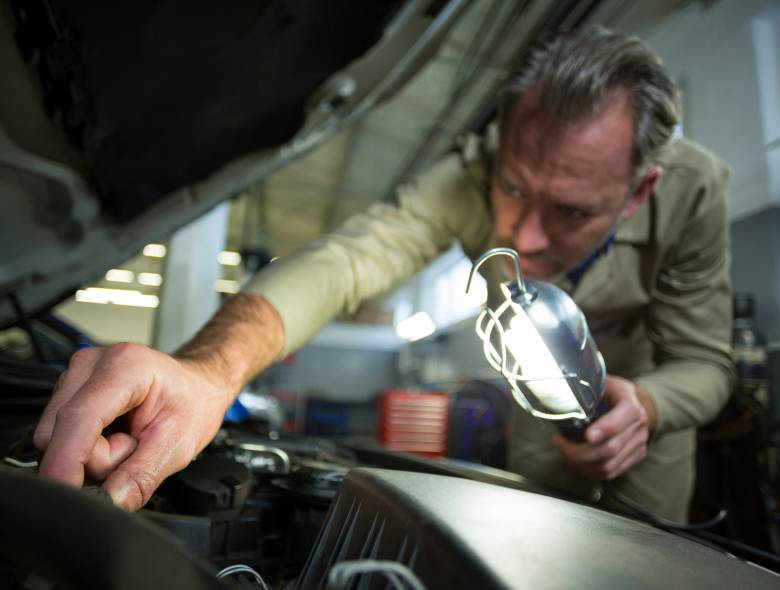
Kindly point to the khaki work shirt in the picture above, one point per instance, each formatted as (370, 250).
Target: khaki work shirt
(658, 303)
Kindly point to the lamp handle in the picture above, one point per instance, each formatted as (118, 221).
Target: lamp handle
(499, 252)
(574, 429)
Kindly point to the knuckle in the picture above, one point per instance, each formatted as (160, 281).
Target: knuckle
(74, 413)
(124, 350)
(80, 358)
(69, 412)
(144, 483)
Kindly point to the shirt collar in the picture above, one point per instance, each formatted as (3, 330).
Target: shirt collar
(637, 229)
(576, 273)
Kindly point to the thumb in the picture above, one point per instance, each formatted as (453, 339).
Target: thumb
(132, 484)
(619, 395)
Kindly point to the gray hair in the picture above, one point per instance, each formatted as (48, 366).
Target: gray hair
(576, 71)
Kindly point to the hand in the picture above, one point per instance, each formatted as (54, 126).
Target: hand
(617, 441)
(172, 412)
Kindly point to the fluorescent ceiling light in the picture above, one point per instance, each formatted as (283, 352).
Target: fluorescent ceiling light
(126, 297)
(155, 250)
(151, 279)
(415, 327)
(228, 258)
(118, 275)
(226, 286)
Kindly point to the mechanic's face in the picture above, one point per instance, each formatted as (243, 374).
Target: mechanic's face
(556, 197)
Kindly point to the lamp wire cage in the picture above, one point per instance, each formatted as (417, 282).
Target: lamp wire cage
(490, 330)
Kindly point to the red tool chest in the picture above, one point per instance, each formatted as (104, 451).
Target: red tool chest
(414, 422)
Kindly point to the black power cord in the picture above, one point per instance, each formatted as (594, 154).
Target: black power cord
(698, 532)
(657, 520)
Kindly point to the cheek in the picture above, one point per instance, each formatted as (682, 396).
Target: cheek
(582, 241)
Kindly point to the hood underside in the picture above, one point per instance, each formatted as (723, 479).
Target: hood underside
(126, 120)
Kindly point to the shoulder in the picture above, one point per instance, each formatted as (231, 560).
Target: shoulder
(693, 181)
(452, 185)
(444, 175)
(465, 168)
(453, 194)
(688, 162)
(690, 204)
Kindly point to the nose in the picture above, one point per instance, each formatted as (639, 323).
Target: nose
(530, 236)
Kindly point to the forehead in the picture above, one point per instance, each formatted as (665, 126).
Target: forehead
(593, 155)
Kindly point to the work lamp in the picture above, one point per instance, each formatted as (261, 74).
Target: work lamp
(539, 340)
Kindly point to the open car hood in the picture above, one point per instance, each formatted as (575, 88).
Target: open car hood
(120, 122)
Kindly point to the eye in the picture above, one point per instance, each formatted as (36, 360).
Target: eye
(572, 213)
(509, 190)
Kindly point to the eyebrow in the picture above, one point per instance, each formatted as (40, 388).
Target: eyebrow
(587, 208)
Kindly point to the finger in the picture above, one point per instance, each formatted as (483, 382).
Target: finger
(573, 451)
(637, 441)
(623, 413)
(108, 453)
(611, 448)
(134, 481)
(70, 447)
(628, 462)
(80, 422)
(70, 381)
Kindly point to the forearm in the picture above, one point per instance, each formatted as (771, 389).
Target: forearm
(244, 337)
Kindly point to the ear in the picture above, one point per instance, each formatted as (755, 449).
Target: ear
(642, 192)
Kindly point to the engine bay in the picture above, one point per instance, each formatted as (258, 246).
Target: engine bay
(259, 508)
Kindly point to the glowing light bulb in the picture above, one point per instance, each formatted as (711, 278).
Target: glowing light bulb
(537, 363)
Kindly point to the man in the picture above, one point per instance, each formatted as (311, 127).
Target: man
(582, 184)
